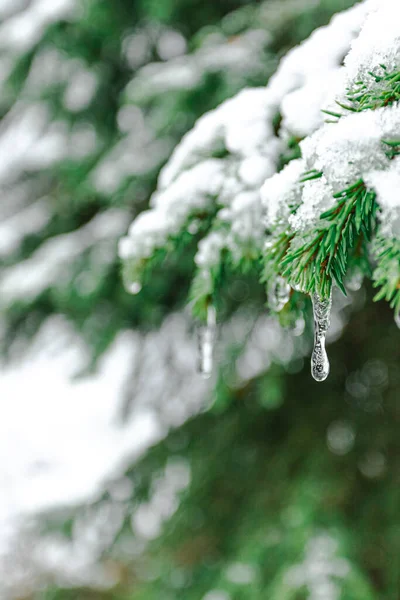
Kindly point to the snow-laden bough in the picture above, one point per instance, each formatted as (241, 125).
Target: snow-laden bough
(299, 175)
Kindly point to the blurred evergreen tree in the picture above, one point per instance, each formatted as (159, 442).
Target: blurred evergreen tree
(80, 79)
(293, 493)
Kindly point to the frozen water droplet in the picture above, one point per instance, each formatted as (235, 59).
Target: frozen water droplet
(397, 319)
(319, 359)
(355, 280)
(134, 287)
(278, 293)
(206, 340)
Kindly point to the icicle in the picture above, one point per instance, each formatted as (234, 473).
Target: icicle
(278, 293)
(397, 319)
(206, 340)
(319, 359)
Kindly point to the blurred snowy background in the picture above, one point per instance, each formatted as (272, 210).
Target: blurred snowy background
(94, 96)
(82, 136)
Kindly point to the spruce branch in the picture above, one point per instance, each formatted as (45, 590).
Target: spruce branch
(393, 149)
(323, 257)
(364, 97)
(310, 175)
(209, 284)
(311, 251)
(312, 264)
(140, 271)
(386, 275)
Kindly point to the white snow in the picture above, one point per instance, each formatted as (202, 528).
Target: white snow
(243, 126)
(346, 150)
(253, 155)
(352, 148)
(171, 44)
(377, 44)
(387, 185)
(309, 73)
(72, 443)
(209, 250)
(280, 192)
(64, 441)
(150, 230)
(27, 221)
(80, 91)
(61, 435)
(47, 266)
(20, 32)
(317, 197)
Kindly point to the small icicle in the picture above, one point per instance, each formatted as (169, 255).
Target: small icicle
(206, 340)
(278, 293)
(319, 359)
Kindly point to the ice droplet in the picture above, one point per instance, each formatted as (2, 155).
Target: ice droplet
(397, 319)
(278, 293)
(206, 339)
(319, 359)
(134, 287)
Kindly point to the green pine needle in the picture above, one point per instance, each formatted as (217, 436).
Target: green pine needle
(323, 257)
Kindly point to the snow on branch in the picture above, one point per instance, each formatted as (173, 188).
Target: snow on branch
(219, 167)
(345, 193)
(298, 177)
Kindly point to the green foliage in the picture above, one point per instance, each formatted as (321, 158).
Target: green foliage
(292, 152)
(387, 274)
(96, 38)
(266, 477)
(386, 92)
(214, 286)
(314, 260)
(313, 265)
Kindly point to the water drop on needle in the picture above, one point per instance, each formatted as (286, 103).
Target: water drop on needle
(278, 293)
(319, 360)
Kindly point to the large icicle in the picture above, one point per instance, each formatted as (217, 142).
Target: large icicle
(319, 359)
